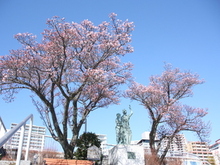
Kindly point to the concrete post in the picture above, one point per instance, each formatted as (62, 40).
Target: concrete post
(20, 144)
(29, 138)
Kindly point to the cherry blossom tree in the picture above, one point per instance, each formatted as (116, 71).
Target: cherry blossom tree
(167, 115)
(74, 70)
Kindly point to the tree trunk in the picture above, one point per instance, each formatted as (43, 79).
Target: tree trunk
(68, 149)
(152, 137)
(68, 153)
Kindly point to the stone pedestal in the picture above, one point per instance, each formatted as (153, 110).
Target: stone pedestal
(126, 155)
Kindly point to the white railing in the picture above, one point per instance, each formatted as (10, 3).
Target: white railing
(10, 133)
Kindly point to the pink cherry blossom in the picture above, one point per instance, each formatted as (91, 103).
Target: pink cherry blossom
(167, 115)
(75, 69)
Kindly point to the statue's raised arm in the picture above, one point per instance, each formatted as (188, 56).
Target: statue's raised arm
(131, 112)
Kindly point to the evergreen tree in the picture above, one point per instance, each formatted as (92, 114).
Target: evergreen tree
(86, 140)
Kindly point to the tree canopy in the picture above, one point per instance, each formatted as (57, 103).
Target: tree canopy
(73, 70)
(168, 116)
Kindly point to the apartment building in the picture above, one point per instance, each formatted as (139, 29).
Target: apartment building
(201, 149)
(37, 138)
(215, 149)
(103, 139)
(178, 145)
(145, 139)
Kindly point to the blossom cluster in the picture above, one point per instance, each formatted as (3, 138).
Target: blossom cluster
(162, 100)
(72, 59)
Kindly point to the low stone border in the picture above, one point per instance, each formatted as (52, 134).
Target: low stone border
(50, 161)
(22, 162)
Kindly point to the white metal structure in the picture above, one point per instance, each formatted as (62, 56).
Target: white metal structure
(2, 128)
(10, 133)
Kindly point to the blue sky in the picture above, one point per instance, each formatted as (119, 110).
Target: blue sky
(183, 33)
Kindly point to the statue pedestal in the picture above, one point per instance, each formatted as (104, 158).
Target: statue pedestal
(126, 155)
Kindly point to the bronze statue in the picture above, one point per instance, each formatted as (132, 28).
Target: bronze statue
(123, 131)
